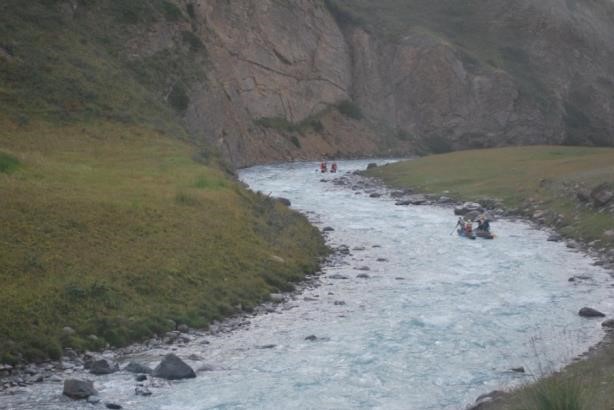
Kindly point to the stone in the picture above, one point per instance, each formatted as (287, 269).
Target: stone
(602, 195)
(142, 391)
(79, 389)
(103, 366)
(468, 207)
(173, 368)
(284, 201)
(363, 276)
(375, 195)
(339, 303)
(555, 237)
(135, 367)
(55, 379)
(484, 399)
(363, 268)
(93, 399)
(372, 165)
(277, 297)
(311, 338)
(68, 331)
(113, 406)
(328, 229)
(590, 312)
(382, 260)
(609, 234)
(183, 328)
(140, 377)
(518, 369)
(337, 276)
(608, 324)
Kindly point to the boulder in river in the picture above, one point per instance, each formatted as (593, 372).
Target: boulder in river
(103, 366)
(590, 312)
(468, 207)
(79, 389)
(372, 165)
(328, 229)
(173, 368)
(284, 201)
(337, 276)
(555, 237)
(142, 391)
(608, 324)
(134, 367)
(113, 406)
(363, 276)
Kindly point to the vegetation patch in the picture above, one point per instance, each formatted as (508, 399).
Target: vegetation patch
(8, 163)
(117, 232)
(350, 109)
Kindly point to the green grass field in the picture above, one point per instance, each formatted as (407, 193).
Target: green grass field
(523, 178)
(546, 177)
(113, 230)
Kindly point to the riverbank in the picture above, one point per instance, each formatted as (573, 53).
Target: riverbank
(113, 233)
(564, 189)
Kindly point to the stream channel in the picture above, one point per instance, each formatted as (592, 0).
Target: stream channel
(438, 321)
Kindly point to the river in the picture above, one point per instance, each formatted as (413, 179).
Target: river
(438, 321)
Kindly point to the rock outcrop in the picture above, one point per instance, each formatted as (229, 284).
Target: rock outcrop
(266, 80)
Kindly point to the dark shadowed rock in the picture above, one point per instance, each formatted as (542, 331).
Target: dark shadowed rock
(375, 195)
(103, 366)
(328, 229)
(372, 165)
(337, 276)
(602, 195)
(134, 367)
(555, 237)
(363, 276)
(518, 369)
(173, 368)
(113, 406)
(79, 389)
(140, 377)
(608, 324)
(482, 401)
(142, 391)
(284, 201)
(590, 312)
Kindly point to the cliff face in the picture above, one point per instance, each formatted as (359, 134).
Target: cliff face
(472, 74)
(270, 80)
(431, 78)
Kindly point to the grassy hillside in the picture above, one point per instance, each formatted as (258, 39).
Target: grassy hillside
(113, 230)
(526, 179)
(113, 223)
(65, 65)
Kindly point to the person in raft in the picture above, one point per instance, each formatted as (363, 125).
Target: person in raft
(323, 167)
(468, 228)
(333, 167)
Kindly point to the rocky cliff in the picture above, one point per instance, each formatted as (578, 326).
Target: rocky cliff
(271, 80)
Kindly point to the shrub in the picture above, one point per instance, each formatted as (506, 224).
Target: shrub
(350, 109)
(178, 98)
(191, 10)
(8, 163)
(171, 11)
(559, 394)
(192, 40)
(294, 140)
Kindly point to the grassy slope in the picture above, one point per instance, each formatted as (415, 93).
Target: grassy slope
(542, 177)
(111, 223)
(112, 230)
(514, 175)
